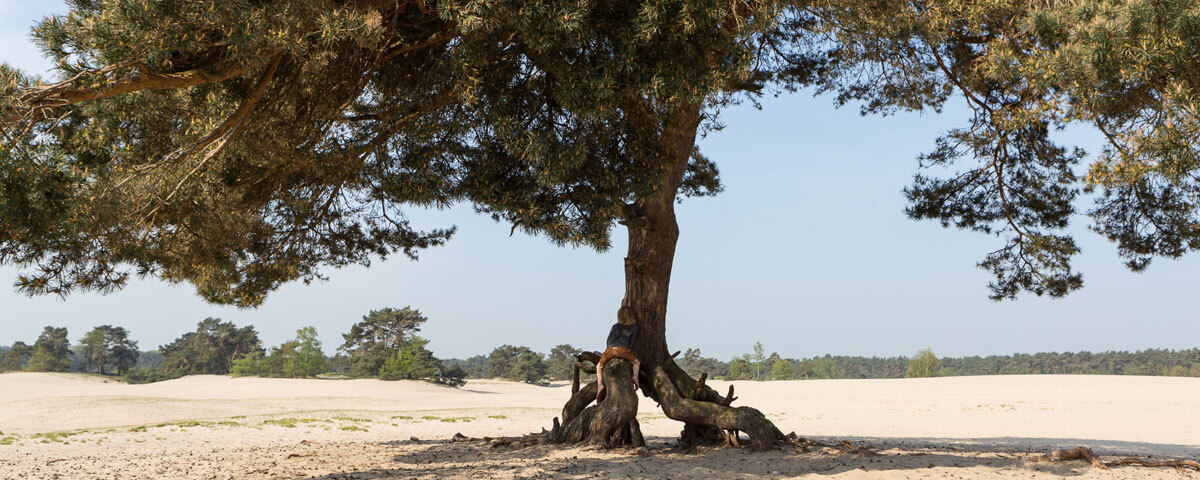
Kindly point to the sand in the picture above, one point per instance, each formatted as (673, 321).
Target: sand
(76, 426)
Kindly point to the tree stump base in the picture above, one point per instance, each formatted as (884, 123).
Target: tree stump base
(612, 422)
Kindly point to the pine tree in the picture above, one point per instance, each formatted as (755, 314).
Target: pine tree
(51, 351)
(15, 358)
(376, 339)
(241, 145)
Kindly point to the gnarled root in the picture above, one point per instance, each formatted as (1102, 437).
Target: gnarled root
(709, 419)
(612, 421)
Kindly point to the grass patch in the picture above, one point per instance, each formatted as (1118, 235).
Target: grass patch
(291, 422)
(430, 417)
(401, 417)
(497, 417)
(458, 419)
(55, 437)
(352, 419)
(354, 428)
(7, 440)
(191, 423)
(140, 428)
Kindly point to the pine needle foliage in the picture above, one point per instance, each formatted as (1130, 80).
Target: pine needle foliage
(239, 145)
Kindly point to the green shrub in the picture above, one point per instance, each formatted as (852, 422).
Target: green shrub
(923, 364)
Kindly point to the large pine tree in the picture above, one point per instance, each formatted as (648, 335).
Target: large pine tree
(238, 145)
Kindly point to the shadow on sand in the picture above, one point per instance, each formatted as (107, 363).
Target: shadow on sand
(430, 459)
(1028, 445)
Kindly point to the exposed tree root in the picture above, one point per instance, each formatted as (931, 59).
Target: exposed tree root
(1086, 454)
(706, 420)
(707, 415)
(612, 421)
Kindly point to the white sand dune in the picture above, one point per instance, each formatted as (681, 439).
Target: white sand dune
(1113, 414)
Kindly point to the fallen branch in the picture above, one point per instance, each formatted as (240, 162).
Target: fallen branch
(1086, 454)
(843, 446)
(1066, 455)
(1178, 464)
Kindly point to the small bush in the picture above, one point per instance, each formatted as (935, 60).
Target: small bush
(923, 364)
(148, 375)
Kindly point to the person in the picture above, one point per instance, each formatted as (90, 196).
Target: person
(619, 345)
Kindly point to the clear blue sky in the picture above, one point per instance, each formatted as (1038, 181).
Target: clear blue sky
(807, 250)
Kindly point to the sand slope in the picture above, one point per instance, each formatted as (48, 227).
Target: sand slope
(221, 427)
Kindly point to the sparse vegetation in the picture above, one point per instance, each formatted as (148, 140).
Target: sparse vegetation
(53, 437)
(293, 422)
(457, 419)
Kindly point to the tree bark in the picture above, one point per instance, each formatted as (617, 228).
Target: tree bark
(653, 233)
(612, 421)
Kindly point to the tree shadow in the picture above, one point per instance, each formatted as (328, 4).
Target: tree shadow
(1030, 444)
(476, 459)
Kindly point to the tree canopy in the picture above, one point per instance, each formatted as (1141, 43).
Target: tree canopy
(211, 349)
(379, 336)
(923, 364)
(519, 364)
(108, 346)
(15, 357)
(240, 145)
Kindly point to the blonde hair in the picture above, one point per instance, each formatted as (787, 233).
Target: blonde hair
(625, 315)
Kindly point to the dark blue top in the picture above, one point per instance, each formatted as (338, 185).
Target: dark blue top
(621, 336)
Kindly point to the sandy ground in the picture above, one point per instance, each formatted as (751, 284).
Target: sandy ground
(81, 427)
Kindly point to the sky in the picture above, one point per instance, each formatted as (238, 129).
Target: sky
(807, 251)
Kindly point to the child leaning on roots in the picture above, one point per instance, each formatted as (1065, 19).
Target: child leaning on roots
(619, 345)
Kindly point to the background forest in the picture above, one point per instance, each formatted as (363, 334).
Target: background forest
(385, 345)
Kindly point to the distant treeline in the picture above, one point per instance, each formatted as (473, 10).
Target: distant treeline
(757, 366)
(384, 345)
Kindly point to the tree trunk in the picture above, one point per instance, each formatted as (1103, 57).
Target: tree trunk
(707, 416)
(653, 233)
